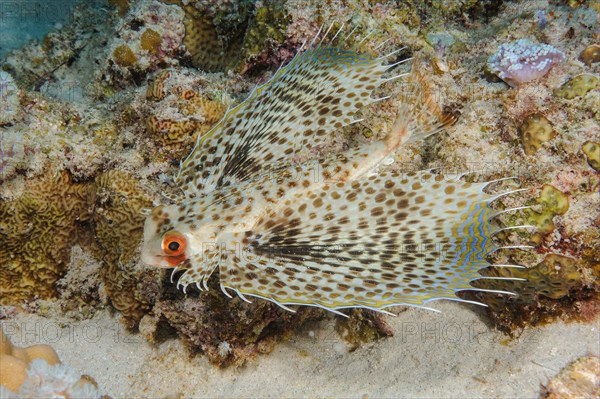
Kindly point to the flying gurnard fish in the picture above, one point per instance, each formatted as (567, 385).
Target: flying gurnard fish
(334, 232)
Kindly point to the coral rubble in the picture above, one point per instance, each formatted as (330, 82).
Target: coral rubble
(228, 331)
(579, 380)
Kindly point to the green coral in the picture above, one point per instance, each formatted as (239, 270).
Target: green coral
(553, 202)
(591, 150)
(268, 25)
(578, 86)
(124, 56)
(150, 41)
(557, 287)
(534, 131)
(553, 277)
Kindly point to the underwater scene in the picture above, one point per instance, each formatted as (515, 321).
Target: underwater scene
(300, 198)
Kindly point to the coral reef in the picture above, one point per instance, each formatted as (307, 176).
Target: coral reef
(74, 234)
(232, 35)
(523, 61)
(80, 290)
(124, 56)
(37, 232)
(9, 99)
(179, 118)
(149, 37)
(559, 287)
(209, 51)
(57, 381)
(534, 131)
(122, 6)
(362, 327)
(36, 372)
(14, 153)
(578, 86)
(580, 379)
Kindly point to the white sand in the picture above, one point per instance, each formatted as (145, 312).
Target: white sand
(448, 355)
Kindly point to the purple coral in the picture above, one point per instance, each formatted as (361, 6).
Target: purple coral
(523, 61)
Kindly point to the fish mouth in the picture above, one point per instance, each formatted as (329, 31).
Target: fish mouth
(155, 260)
(163, 261)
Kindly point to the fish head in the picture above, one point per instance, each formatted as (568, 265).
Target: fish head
(165, 243)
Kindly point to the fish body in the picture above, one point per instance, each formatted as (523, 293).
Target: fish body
(330, 232)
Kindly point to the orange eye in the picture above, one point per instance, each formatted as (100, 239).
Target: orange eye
(174, 244)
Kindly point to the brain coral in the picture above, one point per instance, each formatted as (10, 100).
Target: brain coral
(523, 61)
(535, 130)
(118, 222)
(37, 231)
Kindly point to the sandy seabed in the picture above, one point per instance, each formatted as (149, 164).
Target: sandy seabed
(443, 355)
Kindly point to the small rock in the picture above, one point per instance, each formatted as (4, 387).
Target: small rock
(591, 54)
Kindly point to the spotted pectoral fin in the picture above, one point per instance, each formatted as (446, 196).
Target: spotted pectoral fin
(373, 243)
(319, 91)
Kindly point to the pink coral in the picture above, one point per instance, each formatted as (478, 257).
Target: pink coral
(523, 61)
